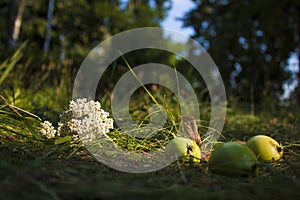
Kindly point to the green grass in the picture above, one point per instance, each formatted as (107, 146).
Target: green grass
(42, 175)
(32, 167)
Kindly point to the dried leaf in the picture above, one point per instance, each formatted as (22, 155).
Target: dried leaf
(191, 129)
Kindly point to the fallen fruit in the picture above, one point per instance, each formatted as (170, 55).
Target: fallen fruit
(233, 159)
(265, 148)
(180, 146)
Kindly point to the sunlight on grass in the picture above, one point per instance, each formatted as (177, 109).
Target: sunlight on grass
(56, 167)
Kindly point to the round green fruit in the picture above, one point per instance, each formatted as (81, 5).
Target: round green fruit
(180, 146)
(233, 159)
(265, 148)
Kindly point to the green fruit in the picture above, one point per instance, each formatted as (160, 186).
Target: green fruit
(180, 146)
(233, 159)
(265, 148)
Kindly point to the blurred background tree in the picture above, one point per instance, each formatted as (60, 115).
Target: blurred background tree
(250, 41)
(77, 27)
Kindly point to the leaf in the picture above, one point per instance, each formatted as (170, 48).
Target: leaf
(63, 139)
(29, 125)
(191, 129)
(9, 63)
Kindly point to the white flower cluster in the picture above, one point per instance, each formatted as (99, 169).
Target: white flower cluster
(84, 119)
(48, 130)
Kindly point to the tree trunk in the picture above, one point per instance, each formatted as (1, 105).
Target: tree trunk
(49, 24)
(11, 22)
(15, 20)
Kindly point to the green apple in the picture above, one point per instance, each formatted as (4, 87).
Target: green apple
(265, 148)
(233, 159)
(180, 146)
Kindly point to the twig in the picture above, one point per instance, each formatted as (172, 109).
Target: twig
(16, 109)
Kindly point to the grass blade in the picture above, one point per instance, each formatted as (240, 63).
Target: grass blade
(9, 63)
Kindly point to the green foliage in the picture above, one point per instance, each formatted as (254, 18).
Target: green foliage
(64, 139)
(37, 97)
(7, 66)
(45, 170)
(17, 123)
(59, 168)
(77, 27)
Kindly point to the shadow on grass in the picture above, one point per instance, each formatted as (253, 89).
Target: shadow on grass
(32, 174)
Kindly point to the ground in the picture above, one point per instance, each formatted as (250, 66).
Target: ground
(39, 169)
